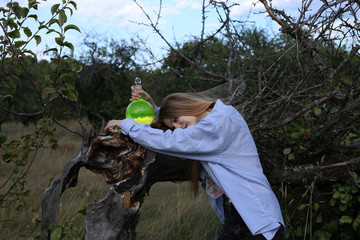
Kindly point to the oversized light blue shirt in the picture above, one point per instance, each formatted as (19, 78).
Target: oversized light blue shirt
(223, 143)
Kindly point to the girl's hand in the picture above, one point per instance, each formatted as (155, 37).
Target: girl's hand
(136, 94)
(112, 123)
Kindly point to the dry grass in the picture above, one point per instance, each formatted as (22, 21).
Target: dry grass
(169, 212)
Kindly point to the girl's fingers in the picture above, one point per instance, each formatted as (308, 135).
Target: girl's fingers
(136, 94)
(133, 99)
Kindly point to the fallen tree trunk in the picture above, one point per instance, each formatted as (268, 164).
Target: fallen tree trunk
(129, 168)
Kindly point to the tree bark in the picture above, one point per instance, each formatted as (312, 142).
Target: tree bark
(129, 168)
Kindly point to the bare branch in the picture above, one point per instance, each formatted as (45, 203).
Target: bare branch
(196, 65)
(296, 115)
(272, 15)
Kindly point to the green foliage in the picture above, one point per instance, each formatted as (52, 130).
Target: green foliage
(212, 55)
(21, 71)
(178, 75)
(56, 234)
(32, 90)
(345, 201)
(109, 69)
(20, 154)
(333, 216)
(70, 229)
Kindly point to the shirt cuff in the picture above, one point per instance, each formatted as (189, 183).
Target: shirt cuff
(126, 125)
(270, 234)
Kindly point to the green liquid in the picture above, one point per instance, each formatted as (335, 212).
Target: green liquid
(141, 111)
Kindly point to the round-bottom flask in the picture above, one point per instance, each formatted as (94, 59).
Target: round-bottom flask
(140, 110)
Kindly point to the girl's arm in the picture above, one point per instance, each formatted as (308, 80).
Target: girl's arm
(202, 141)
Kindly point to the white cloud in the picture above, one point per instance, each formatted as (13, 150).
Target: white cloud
(97, 13)
(40, 56)
(188, 4)
(179, 18)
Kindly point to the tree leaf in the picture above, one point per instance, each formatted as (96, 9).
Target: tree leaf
(342, 207)
(317, 111)
(82, 211)
(287, 151)
(24, 12)
(20, 43)
(345, 219)
(17, 11)
(60, 40)
(14, 177)
(62, 17)
(46, 80)
(48, 91)
(6, 155)
(356, 223)
(302, 207)
(42, 26)
(14, 34)
(71, 11)
(54, 8)
(72, 94)
(27, 32)
(71, 26)
(336, 194)
(37, 39)
(316, 206)
(74, 4)
(54, 20)
(32, 4)
(34, 16)
(344, 198)
(52, 30)
(295, 135)
(69, 45)
(50, 49)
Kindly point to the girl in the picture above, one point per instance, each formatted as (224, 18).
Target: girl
(218, 137)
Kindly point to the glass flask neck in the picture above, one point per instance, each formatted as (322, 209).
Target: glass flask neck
(138, 85)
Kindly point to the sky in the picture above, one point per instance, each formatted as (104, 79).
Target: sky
(124, 19)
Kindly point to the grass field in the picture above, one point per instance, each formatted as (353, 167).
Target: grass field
(169, 212)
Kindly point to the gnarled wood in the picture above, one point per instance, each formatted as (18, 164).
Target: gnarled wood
(129, 168)
(110, 219)
(51, 199)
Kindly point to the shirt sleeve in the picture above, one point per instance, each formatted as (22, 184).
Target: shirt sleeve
(201, 141)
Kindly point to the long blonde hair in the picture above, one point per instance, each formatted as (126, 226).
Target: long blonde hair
(184, 104)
